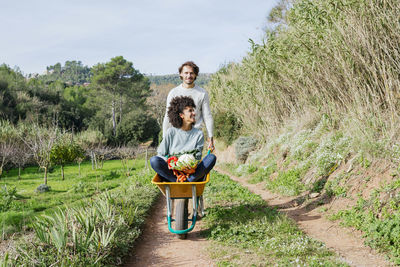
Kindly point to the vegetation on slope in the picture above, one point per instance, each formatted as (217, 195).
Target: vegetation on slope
(321, 93)
(336, 59)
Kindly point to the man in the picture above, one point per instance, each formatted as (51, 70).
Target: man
(188, 73)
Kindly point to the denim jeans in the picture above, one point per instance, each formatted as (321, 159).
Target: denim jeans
(204, 167)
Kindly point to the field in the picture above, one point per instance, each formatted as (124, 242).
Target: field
(87, 219)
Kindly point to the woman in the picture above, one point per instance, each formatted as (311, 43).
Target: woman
(180, 139)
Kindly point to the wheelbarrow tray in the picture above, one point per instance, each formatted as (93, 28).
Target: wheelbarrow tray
(181, 190)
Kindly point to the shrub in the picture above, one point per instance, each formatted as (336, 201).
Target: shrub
(243, 146)
(7, 196)
(227, 127)
(287, 182)
(136, 127)
(43, 188)
(244, 169)
(65, 152)
(330, 152)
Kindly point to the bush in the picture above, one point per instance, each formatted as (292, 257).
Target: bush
(7, 196)
(43, 188)
(287, 183)
(227, 127)
(135, 128)
(243, 146)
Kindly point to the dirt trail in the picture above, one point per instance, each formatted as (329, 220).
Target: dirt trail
(158, 247)
(347, 243)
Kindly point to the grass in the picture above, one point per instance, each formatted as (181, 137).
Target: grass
(97, 231)
(249, 233)
(73, 190)
(378, 218)
(287, 183)
(264, 173)
(336, 61)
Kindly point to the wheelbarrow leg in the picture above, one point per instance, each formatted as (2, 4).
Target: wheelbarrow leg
(168, 199)
(194, 200)
(201, 206)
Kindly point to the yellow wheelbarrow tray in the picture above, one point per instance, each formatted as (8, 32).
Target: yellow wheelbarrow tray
(180, 190)
(185, 191)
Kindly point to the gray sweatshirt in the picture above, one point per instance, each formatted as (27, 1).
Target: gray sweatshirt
(203, 112)
(180, 141)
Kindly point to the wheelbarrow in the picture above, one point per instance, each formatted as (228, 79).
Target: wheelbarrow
(181, 193)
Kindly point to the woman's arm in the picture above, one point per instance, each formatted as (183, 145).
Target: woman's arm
(163, 148)
(199, 145)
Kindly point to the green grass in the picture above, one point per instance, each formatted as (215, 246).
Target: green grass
(98, 231)
(287, 183)
(379, 219)
(249, 233)
(264, 173)
(73, 190)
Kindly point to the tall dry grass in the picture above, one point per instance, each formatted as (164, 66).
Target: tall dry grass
(337, 58)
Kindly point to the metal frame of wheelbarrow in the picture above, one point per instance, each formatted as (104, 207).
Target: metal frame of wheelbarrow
(185, 190)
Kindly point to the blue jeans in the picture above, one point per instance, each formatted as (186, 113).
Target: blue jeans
(204, 167)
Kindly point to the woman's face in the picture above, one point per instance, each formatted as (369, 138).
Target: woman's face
(188, 115)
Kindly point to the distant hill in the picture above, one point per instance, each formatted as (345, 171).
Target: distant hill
(72, 73)
(201, 80)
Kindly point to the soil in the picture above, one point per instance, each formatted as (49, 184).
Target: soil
(159, 247)
(347, 243)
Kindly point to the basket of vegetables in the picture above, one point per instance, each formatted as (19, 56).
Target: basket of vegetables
(182, 166)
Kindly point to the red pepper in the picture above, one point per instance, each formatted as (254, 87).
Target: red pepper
(173, 159)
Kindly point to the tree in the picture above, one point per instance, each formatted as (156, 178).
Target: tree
(8, 134)
(20, 156)
(158, 99)
(12, 82)
(278, 14)
(136, 127)
(40, 141)
(91, 141)
(65, 152)
(118, 80)
(126, 153)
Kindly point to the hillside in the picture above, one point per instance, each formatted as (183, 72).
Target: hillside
(317, 103)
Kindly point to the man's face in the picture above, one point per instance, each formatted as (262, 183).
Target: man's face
(188, 75)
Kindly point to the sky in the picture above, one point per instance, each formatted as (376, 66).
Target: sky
(157, 36)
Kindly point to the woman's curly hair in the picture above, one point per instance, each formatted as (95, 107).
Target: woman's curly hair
(176, 107)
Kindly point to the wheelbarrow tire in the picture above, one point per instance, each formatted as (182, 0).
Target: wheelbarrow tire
(181, 216)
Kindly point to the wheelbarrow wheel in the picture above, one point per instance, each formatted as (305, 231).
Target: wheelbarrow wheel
(181, 216)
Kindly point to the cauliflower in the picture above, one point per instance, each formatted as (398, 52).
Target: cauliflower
(186, 160)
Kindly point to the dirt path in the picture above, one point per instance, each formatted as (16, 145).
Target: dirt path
(158, 247)
(348, 244)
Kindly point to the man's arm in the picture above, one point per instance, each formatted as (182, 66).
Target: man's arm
(208, 121)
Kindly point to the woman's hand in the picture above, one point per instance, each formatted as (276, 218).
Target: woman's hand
(211, 144)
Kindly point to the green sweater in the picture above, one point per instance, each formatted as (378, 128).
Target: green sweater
(178, 141)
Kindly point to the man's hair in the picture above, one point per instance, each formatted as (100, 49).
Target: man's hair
(176, 107)
(190, 64)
